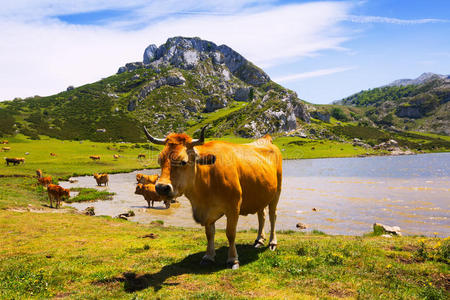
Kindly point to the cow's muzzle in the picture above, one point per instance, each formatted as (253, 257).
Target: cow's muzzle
(165, 190)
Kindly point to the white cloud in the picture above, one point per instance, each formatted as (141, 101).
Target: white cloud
(377, 19)
(311, 74)
(45, 56)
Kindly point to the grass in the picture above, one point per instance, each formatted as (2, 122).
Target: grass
(210, 117)
(89, 194)
(72, 157)
(98, 257)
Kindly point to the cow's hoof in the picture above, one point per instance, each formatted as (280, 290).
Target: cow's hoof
(233, 265)
(273, 247)
(258, 244)
(206, 262)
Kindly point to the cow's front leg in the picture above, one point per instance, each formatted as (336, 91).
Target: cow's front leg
(232, 260)
(208, 258)
(261, 235)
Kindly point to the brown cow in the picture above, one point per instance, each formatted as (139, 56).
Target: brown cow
(14, 161)
(45, 181)
(101, 179)
(116, 156)
(140, 155)
(146, 179)
(95, 157)
(52, 154)
(6, 149)
(39, 173)
(5, 142)
(56, 192)
(221, 178)
(150, 195)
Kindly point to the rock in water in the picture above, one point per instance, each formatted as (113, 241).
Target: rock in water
(301, 226)
(395, 230)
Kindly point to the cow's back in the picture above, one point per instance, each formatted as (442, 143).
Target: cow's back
(253, 170)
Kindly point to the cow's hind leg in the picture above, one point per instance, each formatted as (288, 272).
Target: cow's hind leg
(209, 257)
(273, 219)
(261, 235)
(232, 260)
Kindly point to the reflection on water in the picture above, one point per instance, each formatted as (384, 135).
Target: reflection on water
(349, 195)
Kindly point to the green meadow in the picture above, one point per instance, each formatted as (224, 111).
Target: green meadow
(58, 253)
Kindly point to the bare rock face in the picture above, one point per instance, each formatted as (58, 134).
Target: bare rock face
(215, 102)
(186, 53)
(394, 230)
(242, 94)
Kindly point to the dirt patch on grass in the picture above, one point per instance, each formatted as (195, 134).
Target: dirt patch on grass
(38, 210)
(340, 292)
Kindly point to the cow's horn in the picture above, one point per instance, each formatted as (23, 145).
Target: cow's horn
(154, 140)
(201, 140)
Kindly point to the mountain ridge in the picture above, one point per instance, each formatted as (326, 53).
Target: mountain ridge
(421, 79)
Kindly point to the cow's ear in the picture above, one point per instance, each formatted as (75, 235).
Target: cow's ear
(206, 159)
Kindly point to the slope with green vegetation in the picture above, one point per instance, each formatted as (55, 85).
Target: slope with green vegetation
(423, 106)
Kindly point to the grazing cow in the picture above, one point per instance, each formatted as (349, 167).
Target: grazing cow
(45, 181)
(140, 155)
(39, 173)
(116, 156)
(150, 194)
(56, 192)
(146, 179)
(5, 142)
(221, 178)
(14, 161)
(94, 157)
(52, 154)
(101, 179)
(6, 149)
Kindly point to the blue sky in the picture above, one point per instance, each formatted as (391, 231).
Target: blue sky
(323, 50)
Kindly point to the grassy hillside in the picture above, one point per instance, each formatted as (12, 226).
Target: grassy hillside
(422, 107)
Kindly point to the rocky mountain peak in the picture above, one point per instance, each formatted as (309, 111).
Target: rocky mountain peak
(187, 53)
(424, 77)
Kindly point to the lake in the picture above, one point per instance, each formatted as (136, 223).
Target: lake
(348, 194)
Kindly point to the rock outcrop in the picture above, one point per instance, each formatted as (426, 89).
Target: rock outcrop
(186, 53)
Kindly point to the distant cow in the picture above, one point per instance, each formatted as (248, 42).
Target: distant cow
(56, 192)
(150, 195)
(45, 181)
(14, 161)
(52, 154)
(101, 179)
(116, 156)
(6, 149)
(140, 155)
(39, 173)
(94, 157)
(5, 142)
(146, 179)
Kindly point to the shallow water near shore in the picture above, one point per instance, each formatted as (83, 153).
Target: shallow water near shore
(348, 195)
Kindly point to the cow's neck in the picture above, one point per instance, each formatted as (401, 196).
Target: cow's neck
(194, 189)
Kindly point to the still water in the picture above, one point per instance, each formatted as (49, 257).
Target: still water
(348, 195)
